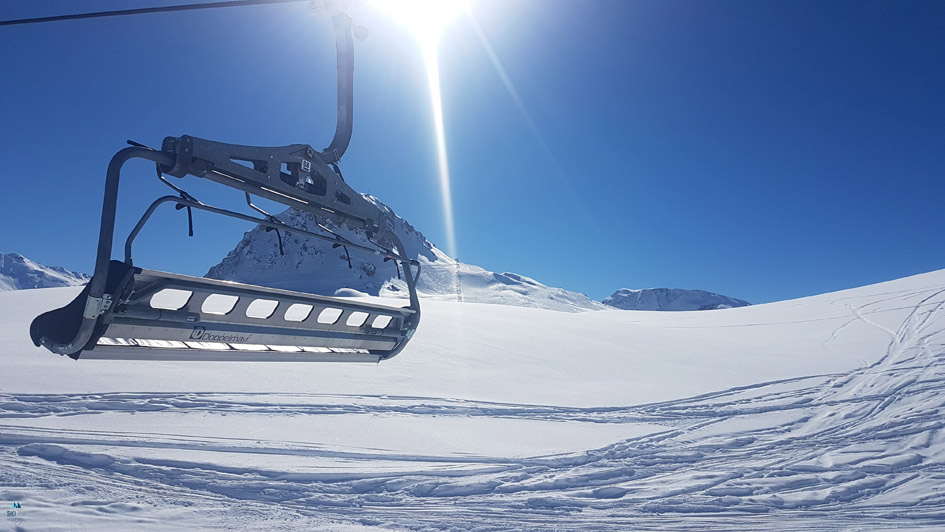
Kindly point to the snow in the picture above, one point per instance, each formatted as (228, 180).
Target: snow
(822, 413)
(18, 273)
(670, 299)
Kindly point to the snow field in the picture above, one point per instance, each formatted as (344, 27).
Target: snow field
(823, 413)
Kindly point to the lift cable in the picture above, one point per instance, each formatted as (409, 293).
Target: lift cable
(143, 10)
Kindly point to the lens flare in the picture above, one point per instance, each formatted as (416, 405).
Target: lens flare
(433, 73)
(426, 19)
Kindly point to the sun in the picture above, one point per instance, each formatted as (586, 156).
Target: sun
(425, 18)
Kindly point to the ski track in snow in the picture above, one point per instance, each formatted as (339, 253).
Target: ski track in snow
(864, 449)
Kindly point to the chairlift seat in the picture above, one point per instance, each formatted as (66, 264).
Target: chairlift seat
(164, 316)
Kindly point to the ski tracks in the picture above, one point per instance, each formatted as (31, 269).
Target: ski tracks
(864, 448)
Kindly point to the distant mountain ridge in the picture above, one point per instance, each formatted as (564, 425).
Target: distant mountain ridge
(20, 273)
(311, 265)
(673, 299)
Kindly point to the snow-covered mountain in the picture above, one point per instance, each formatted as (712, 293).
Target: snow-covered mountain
(312, 265)
(18, 273)
(670, 299)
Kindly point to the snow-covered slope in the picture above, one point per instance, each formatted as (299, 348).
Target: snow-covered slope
(18, 273)
(670, 299)
(311, 265)
(823, 413)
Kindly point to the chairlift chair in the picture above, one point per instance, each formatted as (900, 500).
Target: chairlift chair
(132, 313)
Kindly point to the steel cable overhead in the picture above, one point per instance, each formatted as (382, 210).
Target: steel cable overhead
(144, 10)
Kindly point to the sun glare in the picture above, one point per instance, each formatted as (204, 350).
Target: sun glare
(426, 19)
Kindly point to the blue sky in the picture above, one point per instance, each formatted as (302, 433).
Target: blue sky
(763, 150)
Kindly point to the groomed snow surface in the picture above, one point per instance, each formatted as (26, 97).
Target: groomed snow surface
(824, 413)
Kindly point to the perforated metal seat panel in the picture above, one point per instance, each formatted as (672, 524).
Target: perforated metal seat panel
(177, 317)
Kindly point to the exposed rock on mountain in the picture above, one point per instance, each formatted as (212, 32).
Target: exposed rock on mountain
(670, 299)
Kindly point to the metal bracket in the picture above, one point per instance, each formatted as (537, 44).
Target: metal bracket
(292, 175)
(95, 306)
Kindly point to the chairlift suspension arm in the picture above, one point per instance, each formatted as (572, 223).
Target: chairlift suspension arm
(345, 46)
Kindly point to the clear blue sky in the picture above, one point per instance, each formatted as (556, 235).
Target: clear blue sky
(764, 150)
